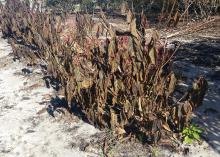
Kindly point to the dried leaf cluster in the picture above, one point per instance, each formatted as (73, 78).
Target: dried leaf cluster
(124, 82)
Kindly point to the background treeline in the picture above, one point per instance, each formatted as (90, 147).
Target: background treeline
(197, 8)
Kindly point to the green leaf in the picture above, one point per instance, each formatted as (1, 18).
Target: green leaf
(188, 140)
(190, 132)
(196, 136)
(185, 131)
(197, 129)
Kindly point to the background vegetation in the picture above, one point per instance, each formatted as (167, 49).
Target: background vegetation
(199, 8)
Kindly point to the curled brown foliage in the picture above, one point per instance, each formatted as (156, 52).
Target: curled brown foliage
(124, 82)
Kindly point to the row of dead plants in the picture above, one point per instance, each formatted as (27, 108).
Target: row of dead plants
(120, 80)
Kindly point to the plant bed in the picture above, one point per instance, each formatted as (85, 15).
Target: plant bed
(124, 82)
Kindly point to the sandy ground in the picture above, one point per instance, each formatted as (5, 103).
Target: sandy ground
(201, 57)
(26, 129)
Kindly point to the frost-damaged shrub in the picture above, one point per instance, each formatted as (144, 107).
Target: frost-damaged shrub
(124, 82)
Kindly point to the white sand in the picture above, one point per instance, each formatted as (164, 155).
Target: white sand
(207, 116)
(24, 132)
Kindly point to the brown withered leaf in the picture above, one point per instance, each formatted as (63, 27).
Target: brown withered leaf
(187, 108)
(126, 106)
(140, 105)
(134, 30)
(30, 37)
(155, 36)
(86, 83)
(172, 84)
(129, 16)
(120, 131)
(166, 126)
(114, 120)
(153, 55)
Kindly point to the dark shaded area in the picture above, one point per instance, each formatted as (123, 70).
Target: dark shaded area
(201, 53)
(76, 110)
(52, 82)
(57, 105)
(26, 71)
(60, 105)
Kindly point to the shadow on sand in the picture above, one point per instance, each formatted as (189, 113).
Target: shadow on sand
(202, 57)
